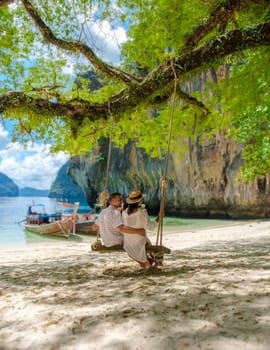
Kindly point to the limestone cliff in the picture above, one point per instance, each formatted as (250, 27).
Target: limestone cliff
(203, 183)
(64, 187)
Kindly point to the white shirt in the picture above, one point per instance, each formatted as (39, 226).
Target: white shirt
(108, 221)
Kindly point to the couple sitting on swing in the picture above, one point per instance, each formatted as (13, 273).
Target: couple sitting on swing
(127, 228)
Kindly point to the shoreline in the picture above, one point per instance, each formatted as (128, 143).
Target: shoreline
(170, 227)
(213, 292)
(174, 239)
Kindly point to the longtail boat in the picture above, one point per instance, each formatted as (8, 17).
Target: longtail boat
(54, 224)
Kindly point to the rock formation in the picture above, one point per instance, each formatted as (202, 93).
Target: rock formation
(7, 187)
(64, 187)
(205, 182)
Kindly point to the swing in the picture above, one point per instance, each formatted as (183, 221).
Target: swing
(157, 251)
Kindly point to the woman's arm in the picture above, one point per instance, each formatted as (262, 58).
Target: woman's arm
(130, 230)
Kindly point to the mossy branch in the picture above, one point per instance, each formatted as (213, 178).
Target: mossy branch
(160, 78)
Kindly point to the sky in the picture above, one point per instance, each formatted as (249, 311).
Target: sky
(36, 167)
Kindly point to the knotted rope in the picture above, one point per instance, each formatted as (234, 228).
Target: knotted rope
(104, 195)
(164, 179)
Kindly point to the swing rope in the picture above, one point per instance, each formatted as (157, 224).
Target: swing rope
(164, 179)
(104, 196)
(158, 250)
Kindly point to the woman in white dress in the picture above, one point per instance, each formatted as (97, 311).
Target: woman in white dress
(137, 217)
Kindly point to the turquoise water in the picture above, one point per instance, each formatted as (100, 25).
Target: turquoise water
(13, 211)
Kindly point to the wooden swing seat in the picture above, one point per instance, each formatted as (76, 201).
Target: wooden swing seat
(97, 246)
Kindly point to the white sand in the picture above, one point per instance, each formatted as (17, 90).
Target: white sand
(213, 293)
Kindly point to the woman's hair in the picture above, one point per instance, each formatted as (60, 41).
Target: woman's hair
(131, 207)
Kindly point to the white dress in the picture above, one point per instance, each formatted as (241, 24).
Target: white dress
(134, 244)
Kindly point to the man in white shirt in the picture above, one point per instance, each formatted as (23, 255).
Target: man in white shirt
(110, 224)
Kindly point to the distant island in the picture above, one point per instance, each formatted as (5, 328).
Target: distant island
(8, 188)
(62, 189)
(33, 192)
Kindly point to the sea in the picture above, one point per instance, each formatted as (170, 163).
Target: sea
(12, 214)
(14, 209)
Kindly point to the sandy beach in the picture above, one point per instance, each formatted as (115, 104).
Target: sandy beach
(213, 293)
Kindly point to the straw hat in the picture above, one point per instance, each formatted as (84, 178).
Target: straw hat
(134, 197)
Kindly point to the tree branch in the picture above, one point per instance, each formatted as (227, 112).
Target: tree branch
(143, 91)
(161, 77)
(193, 101)
(232, 41)
(6, 2)
(78, 47)
(219, 17)
(42, 106)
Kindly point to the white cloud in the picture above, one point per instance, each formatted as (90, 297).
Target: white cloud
(34, 167)
(3, 137)
(106, 40)
(105, 37)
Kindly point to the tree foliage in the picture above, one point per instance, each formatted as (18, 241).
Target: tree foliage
(43, 42)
